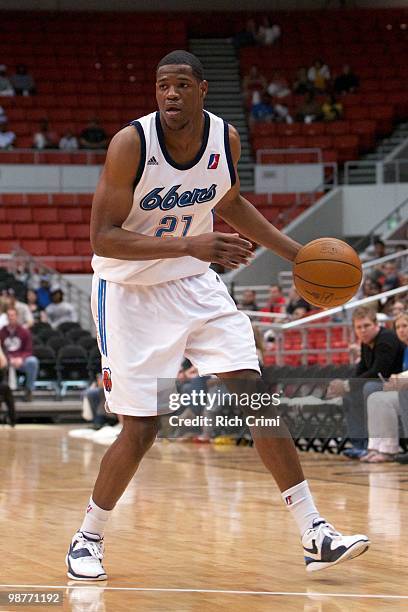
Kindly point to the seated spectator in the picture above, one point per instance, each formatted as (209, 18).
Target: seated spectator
(23, 82)
(398, 308)
(96, 397)
(379, 248)
(262, 111)
(319, 75)
(68, 142)
(381, 353)
(385, 407)
(25, 318)
(332, 109)
(45, 138)
(60, 311)
(7, 137)
(16, 342)
(278, 87)
(254, 85)
(295, 301)
(389, 280)
(6, 393)
(302, 85)
(369, 288)
(268, 32)
(298, 313)
(44, 293)
(6, 88)
(3, 116)
(309, 110)
(32, 304)
(93, 136)
(248, 300)
(246, 37)
(276, 301)
(346, 82)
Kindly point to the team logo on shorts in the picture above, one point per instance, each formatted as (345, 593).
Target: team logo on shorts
(213, 161)
(107, 379)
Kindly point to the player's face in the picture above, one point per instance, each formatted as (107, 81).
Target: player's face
(366, 330)
(179, 95)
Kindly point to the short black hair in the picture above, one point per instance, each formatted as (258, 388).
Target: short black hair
(181, 57)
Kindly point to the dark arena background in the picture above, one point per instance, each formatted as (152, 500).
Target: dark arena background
(318, 91)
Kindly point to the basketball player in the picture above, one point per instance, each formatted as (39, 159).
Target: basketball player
(155, 299)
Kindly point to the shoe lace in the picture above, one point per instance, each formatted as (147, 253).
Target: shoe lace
(332, 531)
(94, 547)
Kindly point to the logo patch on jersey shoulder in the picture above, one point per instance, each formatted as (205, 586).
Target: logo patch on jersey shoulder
(155, 199)
(213, 161)
(153, 161)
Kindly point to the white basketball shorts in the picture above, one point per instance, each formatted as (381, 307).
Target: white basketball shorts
(144, 332)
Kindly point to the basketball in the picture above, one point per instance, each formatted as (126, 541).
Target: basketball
(327, 272)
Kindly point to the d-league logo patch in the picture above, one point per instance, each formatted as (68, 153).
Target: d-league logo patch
(213, 161)
(288, 500)
(107, 379)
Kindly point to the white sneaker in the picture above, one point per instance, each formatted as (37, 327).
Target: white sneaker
(84, 558)
(324, 546)
(86, 433)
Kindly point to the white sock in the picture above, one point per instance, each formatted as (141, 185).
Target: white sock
(300, 502)
(95, 519)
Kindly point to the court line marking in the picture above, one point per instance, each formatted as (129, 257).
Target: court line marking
(214, 591)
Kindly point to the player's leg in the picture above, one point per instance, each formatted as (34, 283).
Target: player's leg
(323, 545)
(118, 466)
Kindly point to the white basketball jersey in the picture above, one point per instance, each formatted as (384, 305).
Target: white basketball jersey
(171, 199)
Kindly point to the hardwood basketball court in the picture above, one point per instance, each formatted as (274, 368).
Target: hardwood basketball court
(200, 528)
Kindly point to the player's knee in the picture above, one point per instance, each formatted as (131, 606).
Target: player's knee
(141, 431)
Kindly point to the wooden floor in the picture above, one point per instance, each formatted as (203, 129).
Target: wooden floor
(200, 528)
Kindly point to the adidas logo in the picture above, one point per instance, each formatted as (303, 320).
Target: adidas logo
(153, 161)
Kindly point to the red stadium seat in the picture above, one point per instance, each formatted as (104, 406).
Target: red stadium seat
(18, 214)
(69, 215)
(52, 230)
(61, 247)
(26, 230)
(35, 247)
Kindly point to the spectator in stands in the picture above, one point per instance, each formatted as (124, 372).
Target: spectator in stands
(276, 301)
(248, 300)
(369, 288)
(346, 82)
(295, 301)
(68, 142)
(332, 109)
(93, 136)
(390, 279)
(44, 293)
(32, 304)
(96, 398)
(7, 137)
(25, 318)
(381, 353)
(310, 109)
(379, 248)
(384, 408)
(398, 308)
(6, 393)
(299, 313)
(45, 137)
(254, 85)
(16, 341)
(3, 116)
(319, 75)
(262, 111)
(23, 82)
(278, 87)
(302, 85)
(60, 311)
(268, 32)
(246, 37)
(6, 88)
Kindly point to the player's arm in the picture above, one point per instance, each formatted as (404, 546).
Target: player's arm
(243, 216)
(113, 201)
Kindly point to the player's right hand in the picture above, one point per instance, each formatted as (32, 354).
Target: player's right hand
(228, 250)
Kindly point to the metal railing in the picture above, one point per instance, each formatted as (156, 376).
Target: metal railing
(395, 216)
(39, 156)
(21, 260)
(393, 171)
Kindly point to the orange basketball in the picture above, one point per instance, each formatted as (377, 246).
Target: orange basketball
(327, 272)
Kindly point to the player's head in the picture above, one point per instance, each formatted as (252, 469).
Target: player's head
(180, 88)
(365, 324)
